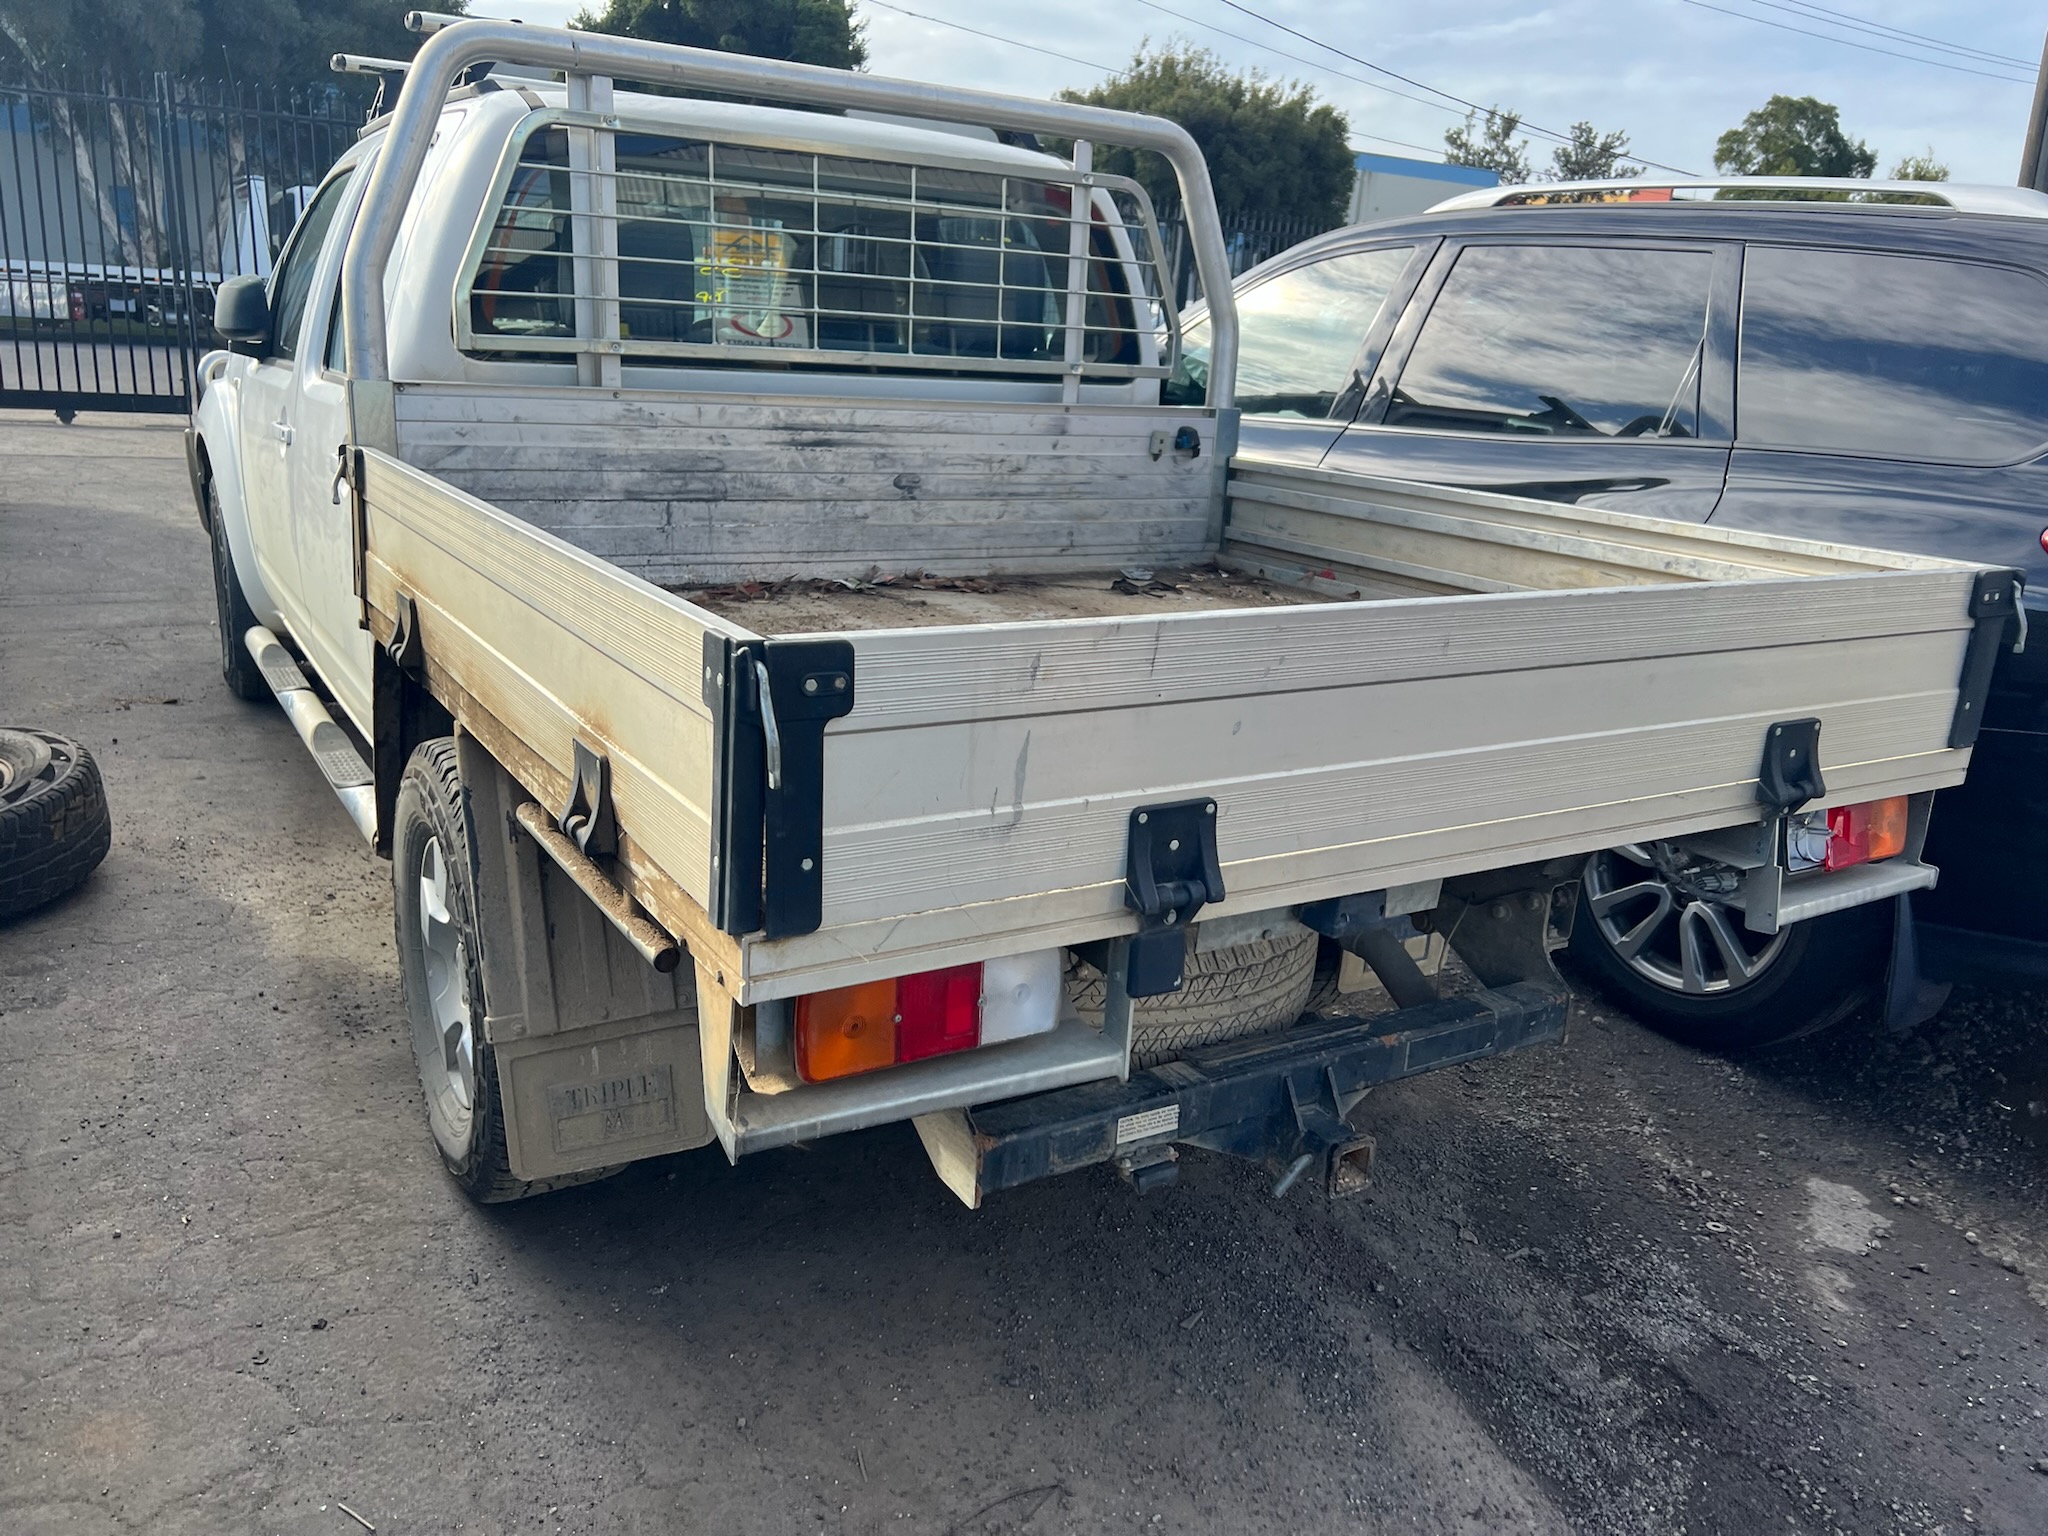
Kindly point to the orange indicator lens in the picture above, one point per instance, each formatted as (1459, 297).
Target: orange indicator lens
(846, 1030)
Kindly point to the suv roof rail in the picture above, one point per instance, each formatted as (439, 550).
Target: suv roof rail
(2016, 201)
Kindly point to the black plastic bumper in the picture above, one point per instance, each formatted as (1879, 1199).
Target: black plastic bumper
(1277, 1097)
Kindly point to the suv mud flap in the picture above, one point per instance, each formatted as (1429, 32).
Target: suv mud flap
(1276, 1098)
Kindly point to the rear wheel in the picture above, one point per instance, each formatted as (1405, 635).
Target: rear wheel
(442, 981)
(237, 667)
(1657, 933)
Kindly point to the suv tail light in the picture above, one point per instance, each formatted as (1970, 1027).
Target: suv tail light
(850, 1030)
(1848, 835)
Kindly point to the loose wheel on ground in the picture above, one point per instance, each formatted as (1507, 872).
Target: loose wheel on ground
(54, 823)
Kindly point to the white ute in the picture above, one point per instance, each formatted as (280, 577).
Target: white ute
(736, 562)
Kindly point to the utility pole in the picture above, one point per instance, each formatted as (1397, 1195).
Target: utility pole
(2033, 159)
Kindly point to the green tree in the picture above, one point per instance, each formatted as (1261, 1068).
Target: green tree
(284, 43)
(1272, 148)
(1920, 168)
(1591, 156)
(1491, 148)
(1792, 136)
(801, 31)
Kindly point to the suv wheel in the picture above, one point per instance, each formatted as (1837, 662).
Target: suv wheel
(1659, 938)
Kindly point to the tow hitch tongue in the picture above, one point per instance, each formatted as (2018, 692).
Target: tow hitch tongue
(1282, 1098)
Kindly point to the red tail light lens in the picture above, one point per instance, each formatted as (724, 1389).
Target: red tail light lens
(937, 1012)
(1864, 834)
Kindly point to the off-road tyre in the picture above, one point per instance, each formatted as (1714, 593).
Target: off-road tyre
(1828, 968)
(54, 824)
(433, 808)
(1242, 990)
(238, 668)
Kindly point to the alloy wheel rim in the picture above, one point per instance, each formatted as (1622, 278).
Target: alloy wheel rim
(1668, 930)
(448, 1056)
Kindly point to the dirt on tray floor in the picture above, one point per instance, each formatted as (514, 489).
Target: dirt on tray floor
(803, 606)
(1613, 1286)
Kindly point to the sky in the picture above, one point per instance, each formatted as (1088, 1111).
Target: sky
(1672, 74)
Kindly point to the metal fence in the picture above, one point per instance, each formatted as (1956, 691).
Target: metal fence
(1248, 238)
(121, 208)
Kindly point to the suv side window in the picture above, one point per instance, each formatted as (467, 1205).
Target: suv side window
(292, 284)
(1908, 357)
(1561, 340)
(1298, 335)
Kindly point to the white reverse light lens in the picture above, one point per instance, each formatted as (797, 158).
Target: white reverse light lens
(1020, 995)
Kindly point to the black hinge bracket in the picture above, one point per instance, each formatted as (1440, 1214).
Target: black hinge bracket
(770, 701)
(1790, 773)
(1170, 873)
(807, 683)
(588, 820)
(405, 648)
(1994, 605)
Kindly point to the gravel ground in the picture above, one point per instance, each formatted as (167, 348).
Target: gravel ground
(1610, 1287)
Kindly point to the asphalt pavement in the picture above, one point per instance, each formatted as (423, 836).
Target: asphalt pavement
(1612, 1286)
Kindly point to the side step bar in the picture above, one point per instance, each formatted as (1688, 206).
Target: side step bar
(347, 774)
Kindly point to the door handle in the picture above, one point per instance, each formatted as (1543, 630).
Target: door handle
(282, 431)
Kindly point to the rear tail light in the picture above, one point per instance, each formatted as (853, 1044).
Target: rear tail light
(850, 1030)
(1848, 835)
(1863, 834)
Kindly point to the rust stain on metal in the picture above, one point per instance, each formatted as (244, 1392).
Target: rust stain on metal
(655, 944)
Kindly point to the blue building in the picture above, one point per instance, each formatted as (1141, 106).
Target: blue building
(1391, 186)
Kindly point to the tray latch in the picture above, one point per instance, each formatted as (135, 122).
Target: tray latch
(1790, 773)
(1170, 873)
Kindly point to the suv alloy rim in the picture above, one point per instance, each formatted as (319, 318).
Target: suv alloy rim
(1667, 919)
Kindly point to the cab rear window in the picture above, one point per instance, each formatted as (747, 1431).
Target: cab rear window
(748, 253)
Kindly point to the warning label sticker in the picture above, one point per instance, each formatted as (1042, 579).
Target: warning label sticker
(1148, 1122)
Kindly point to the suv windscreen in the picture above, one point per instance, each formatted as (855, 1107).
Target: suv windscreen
(1910, 357)
(1561, 340)
(1299, 335)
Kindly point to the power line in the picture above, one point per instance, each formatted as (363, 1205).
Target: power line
(1828, 37)
(1881, 28)
(1421, 101)
(1007, 42)
(1380, 69)
(1011, 42)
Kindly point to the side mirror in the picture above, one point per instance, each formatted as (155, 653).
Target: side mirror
(241, 313)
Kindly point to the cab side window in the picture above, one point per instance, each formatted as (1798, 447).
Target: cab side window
(1906, 357)
(1563, 341)
(1299, 335)
(292, 284)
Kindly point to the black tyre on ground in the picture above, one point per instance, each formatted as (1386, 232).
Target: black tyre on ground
(54, 823)
(237, 667)
(1655, 942)
(1244, 989)
(434, 886)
